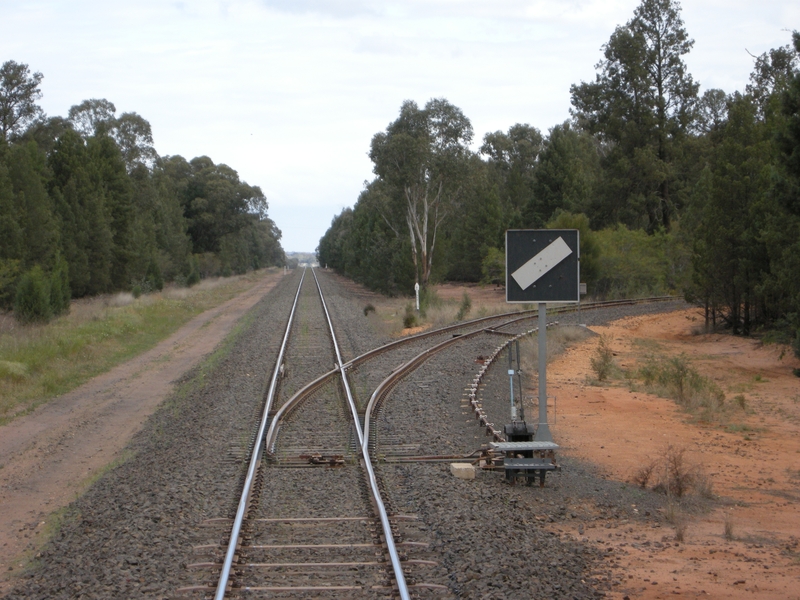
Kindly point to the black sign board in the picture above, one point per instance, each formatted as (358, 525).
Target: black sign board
(542, 265)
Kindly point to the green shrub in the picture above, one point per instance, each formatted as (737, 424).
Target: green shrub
(194, 268)
(589, 248)
(796, 347)
(603, 362)
(632, 263)
(9, 276)
(15, 371)
(493, 267)
(137, 291)
(153, 276)
(466, 306)
(368, 309)
(59, 287)
(32, 303)
(675, 378)
(410, 317)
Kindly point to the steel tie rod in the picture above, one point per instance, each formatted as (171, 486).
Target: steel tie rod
(255, 458)
(373, 482)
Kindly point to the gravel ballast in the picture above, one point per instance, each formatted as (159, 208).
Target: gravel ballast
(132, 533)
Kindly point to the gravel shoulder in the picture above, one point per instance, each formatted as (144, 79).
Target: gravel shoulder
(49, 457)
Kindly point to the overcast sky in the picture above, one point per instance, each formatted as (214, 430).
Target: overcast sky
(290, 92)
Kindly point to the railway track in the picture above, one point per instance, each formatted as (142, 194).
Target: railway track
(173, 503)
(312, 519)
(334, 535)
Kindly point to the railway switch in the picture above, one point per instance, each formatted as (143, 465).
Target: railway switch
(524, 457)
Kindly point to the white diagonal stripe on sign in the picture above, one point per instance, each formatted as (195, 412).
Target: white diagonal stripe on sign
(540, 264)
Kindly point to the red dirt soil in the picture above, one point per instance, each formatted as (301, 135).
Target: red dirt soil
(753, 463)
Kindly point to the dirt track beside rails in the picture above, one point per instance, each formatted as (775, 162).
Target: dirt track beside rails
(49, 456)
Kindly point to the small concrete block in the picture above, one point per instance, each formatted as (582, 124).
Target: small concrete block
(462, 470)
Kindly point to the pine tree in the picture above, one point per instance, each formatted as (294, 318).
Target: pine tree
(11, 235)
(117, 197)
(35, 206)
(87, 239)
(32, 303)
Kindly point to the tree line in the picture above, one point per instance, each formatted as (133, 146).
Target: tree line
(673, 190)
(88, 207)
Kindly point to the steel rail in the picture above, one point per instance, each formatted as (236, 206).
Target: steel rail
(293, 402)
(520, 314)
(255, 458)
(301, 394)
(387, 384)
(388, 536)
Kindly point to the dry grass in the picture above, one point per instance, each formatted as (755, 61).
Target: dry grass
(673, 474)
(680, 530)
(675, 378)
(603, 362)
(38, 362)
(559, 338)
(390, 314)
(727, 531)
(675, 517)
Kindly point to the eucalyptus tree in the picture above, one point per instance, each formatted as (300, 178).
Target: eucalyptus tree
(513, 158)
(92, 116)
(19, 91)
(641, 104)
(568, 175)
(773, 70)
(134, 136)
(423, 157)
(330, 251)
(131, 131)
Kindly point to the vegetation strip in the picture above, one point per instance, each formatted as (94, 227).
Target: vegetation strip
(38, 363)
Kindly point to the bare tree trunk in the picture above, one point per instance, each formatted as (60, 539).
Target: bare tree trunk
(413, 248)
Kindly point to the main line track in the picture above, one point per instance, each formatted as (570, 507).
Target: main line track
(335, 535)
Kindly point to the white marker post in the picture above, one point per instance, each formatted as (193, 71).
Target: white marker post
(416, 291)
